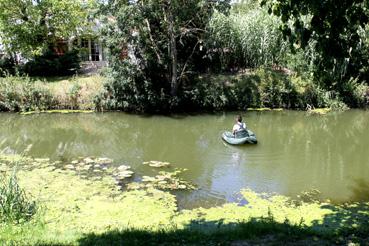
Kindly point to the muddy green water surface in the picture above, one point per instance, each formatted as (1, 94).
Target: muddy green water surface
(295, 153)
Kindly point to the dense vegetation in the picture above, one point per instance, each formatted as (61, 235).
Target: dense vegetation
(31, 27)
(30, 31)
(169, 65)
(32, 94)
(171, 55)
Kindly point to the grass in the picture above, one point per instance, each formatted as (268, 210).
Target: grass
(79, 211)
(76, 92)
(26, 94)
(15, 205)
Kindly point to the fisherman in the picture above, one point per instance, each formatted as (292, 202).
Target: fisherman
(239, 125)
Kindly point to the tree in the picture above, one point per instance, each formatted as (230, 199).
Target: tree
(334, 27)
(156, 46)
(30, 26)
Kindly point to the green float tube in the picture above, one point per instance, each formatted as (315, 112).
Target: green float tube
(240, 137)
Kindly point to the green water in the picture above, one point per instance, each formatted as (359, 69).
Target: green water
(295, 152)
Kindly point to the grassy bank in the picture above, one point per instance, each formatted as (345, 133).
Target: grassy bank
(260, 88)
(75, 210)
(263, 88)
(37, 94)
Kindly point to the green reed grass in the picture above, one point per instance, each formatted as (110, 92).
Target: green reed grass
(15, 205)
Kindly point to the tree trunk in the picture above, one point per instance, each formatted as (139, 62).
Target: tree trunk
(173, 51)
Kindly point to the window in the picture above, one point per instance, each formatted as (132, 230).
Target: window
(95, 51)
(84, 50)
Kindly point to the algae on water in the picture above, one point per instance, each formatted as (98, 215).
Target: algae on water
(73, 206)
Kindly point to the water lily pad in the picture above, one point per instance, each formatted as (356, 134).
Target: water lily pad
(88, 160)
(135, 186)
(148, 179)
(123, 168)
(157, 164)
(70, 166)
(167, 181)
(126, 174)
(103, 160)
(87, 167)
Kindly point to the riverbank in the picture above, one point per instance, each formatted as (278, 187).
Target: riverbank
(24, 94)
(260, 88)
(75, 210)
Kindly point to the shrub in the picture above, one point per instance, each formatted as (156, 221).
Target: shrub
(15, 204)
(354, 93)
(259, 88)
(23, 94)
(74, 94)
(7, 66)
(51, 64)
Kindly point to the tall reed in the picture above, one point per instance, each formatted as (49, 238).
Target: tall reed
(15, 205)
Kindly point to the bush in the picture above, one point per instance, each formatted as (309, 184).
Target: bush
(23, 94)
(51, 64)
(15, 205)
(7, 66)
(259, 88)
(354, 93)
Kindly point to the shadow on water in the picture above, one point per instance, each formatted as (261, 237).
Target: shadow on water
(346, 224)
(360, 190)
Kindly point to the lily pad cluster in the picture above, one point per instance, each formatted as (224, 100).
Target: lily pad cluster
(163, 181)
(89, 163)
(89, 167)
(123, 172)
(157, 164)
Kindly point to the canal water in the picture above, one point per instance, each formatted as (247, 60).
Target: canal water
(296, 152)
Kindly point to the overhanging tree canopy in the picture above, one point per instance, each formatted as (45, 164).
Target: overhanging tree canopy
(161, 43)
(335, 26)
(29, 26)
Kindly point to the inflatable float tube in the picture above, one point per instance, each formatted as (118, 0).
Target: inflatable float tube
(242, 137)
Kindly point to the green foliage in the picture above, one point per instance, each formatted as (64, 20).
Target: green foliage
(74, 93)
(246, 38)
(7, 66)
(156, 48)
(256, 89)
(22, 94)
(355, 93)
(51, 64)
(15, 204)
(29, 27)
(337, 30)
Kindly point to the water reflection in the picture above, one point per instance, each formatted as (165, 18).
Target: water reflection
(295, 152)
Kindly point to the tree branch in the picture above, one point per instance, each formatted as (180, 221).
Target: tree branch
(153, 44)
(183, 72)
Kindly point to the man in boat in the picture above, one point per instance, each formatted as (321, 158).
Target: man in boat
(239, 125)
